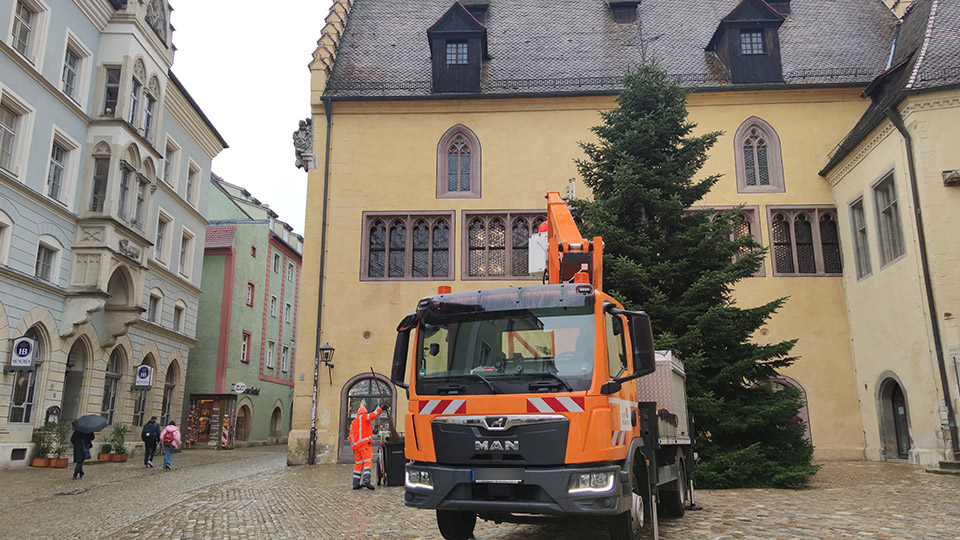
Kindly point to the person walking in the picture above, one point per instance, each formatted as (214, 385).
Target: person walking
(361, 439)
(170, 437)
(150, 435)
(82, 443)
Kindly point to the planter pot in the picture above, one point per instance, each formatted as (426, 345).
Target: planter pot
(40, 462)
(103, 457)
(118, 457)
(59, 463)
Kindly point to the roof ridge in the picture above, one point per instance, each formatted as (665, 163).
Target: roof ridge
(926, 43)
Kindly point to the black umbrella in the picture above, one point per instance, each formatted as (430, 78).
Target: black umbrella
(90, 423)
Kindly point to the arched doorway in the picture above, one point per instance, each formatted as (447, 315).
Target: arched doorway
(119, 288)
(367, 391)
(111, 385)
(169, 385)
(276, 421)
(242, 431)
(25, 382)
(894, 420)
(803, 415)
(141, 395)
(73, 381)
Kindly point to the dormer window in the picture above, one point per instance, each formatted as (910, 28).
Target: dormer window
(456, 52)
(751, 42)
(458, 47)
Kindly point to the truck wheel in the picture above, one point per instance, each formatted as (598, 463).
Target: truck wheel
(626, 526)
(675, 499)
(455, 524)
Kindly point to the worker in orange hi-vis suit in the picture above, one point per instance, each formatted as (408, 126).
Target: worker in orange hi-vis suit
(361, 439)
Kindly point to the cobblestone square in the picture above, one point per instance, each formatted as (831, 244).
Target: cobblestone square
(251, 494)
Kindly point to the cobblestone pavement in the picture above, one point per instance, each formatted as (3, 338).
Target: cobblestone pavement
(250, 494)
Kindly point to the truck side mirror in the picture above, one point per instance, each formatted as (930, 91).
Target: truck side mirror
(400, 351)
(641, 336)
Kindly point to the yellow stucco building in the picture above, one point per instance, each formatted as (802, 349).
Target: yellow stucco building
(439, 127)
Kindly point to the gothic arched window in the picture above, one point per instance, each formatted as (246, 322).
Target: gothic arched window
(458, 164)
(402, 246)
(758, 158)
(805, 241)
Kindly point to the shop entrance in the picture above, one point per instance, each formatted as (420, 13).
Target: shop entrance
(208, 414)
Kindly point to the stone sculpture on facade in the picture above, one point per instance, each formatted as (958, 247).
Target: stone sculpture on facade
(303, 145)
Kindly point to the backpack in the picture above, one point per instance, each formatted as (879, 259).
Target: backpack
(150, 432)
(167, 436)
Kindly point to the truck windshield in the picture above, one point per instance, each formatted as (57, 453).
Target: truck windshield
(522, 351)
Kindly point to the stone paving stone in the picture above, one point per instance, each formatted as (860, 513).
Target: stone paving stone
(251, 495)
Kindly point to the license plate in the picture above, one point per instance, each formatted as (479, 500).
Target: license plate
(498, 476)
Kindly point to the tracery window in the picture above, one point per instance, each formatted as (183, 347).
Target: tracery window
(805, 241)
(458, 164)
(497, 245)
(758, 158)
(407, 246)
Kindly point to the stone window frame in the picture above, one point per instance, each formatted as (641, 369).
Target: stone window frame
(162, 244)
(155, 310)
(509, 217)
(251, 291)
(891, 243)
(6, 235)
(245, 346)
(187, 237)
(171, 160)
(111, 382)
(285, 354)
(52, 245)
(21, 132)
(774, 157)
(70, 167)
(73, 44)
(37, 40)
(410, 220)
(288, 312)
(750, 213)
(473, 144)
(813, 213)
(271, 361)
(106, 86)
(860, 237)
(179, 321)
(191, 188)
(273, 305)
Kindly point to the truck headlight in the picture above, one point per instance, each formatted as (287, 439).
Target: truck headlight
(417, 479)
(596, 482)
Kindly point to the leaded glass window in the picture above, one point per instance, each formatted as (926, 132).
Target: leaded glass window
(368, 392)
(782, 245)
(758, 159)
(458, 166)
(755, 160)
(492, 251)
(377, 249)
(414, 246)
(830, 241)
(805, 241)
(398, 240)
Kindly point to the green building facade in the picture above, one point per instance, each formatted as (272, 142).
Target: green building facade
(239, 386)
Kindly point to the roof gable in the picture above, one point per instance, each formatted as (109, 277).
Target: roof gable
(747, 12)
(457, 20)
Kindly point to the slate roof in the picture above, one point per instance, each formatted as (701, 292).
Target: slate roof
(219, 237)
(926, 57)
(571, 46)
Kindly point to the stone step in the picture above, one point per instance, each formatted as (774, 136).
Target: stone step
(950, 465)
(952, 472)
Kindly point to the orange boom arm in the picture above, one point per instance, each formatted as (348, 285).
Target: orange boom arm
(568, 253)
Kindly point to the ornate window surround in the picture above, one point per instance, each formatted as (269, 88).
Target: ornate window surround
(508, 217)
(813, 212)
(774, 156)
(410, 220)
(443, 146)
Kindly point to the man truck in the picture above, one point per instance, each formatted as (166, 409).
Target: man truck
(545, 401)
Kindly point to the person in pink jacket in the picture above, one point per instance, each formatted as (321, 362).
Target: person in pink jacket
(170, 438)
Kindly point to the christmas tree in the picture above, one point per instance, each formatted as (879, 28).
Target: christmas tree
(680, 266)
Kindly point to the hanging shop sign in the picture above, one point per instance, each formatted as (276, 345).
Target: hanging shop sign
(23, 355)
(144, 377)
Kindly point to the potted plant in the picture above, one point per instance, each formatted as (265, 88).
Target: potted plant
(45, 439)
(117, 439)
(58, 458)
(105, 449)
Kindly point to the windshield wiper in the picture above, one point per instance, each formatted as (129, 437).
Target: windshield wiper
(552, 376)
(476, 376)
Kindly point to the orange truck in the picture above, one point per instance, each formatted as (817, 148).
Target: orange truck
(542, 402)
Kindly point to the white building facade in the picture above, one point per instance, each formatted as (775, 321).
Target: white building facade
(103, 160)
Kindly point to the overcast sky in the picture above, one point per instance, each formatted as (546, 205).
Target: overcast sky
(247, 69)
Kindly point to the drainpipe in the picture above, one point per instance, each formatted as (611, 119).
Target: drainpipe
(894, 115)
(327, 105)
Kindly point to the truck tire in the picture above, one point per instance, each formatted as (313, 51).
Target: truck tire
(674, 499)
(628, 525)
(456, 524)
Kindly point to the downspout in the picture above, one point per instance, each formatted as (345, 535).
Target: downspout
(327, 106)
(894, 115)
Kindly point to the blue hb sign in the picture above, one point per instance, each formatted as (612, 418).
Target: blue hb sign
(144, 377)
(23, 353)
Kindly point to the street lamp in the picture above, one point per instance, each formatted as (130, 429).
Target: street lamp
(326, 354)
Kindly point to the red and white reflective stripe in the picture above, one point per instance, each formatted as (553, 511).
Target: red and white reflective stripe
(619, 438)
(443, 406)
(555, 404)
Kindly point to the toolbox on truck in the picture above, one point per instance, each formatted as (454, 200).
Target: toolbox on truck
(666, 386)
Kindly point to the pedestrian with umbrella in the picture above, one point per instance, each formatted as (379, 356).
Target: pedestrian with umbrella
(82, 439)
